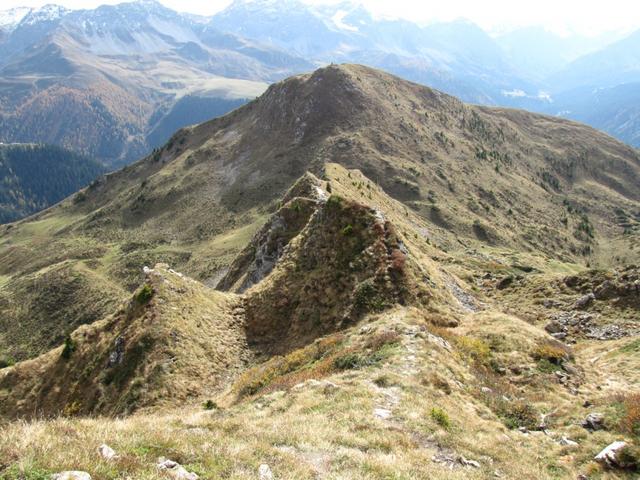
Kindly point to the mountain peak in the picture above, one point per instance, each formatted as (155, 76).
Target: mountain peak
(47, 13)
(12, 17)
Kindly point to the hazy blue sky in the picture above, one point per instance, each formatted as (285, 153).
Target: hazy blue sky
(588, 17)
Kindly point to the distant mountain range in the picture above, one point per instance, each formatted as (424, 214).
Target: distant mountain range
(117, 81)
(106, 82)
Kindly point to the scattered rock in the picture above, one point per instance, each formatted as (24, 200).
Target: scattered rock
(452, 460)
(594, 421)
(175, 470)
(71, 475)
(504, 282)
(468, 463)
(609, 455)
(325, 385)
(382, 413)
(606, 290)
(564, 441)
(264, 472)
(117, 355)
(486, 390)
(548, 303)
(554, 327)
(585, 301)
(107, 452)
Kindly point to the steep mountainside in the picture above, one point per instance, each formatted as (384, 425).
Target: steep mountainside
(114, 82)
(34, 177)
(107, 82)
(615, 64)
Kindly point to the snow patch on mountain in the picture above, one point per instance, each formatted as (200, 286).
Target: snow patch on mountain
(46, 13)
(12, 17)
(338, 21)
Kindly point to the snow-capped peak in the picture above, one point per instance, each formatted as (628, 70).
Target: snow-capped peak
(46, 13)
(12, 17)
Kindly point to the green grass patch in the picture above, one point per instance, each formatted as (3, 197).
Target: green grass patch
(631, 347)
(441, 417)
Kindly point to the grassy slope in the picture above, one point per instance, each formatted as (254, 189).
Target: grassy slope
(473, 175)
(430, 379)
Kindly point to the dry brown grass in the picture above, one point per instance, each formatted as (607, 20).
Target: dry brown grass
(552, 351)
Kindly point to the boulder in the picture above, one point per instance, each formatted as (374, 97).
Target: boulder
(264, 472)
(594, 421)
(71, 475)
(609, 456)
(504, 282)
(564, 441)
(606, 290)
(468, 463)
(382, 413)
(554, 327)
(175, 470)
(107, 452)
(585, 301)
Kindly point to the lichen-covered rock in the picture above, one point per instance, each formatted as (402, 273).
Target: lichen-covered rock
(609, 455)
(71, 475)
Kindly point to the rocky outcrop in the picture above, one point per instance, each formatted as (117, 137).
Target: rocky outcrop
(259, 258)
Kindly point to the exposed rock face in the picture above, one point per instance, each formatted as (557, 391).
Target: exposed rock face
(585, 301)
(117, 355)
(259, 258)
(345, 262)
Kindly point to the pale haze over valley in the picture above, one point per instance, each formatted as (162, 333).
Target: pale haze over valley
(573, 16)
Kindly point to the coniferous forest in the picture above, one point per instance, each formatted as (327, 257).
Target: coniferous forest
(34, 177)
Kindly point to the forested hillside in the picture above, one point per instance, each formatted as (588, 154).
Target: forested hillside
(33, 177)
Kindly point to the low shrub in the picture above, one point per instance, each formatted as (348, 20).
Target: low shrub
(144, 294)
(629, 457)
(351, 361)
(71, 409)
(474, 348)
(209, 405)
(398, 260)
(630, 421)
(367, 297)
(551, 351)
(441, 417)
(69, 347)
(383, 381)
(518, 414)
(348, 230)
(7, 362)
(379, 340)
(438, 382)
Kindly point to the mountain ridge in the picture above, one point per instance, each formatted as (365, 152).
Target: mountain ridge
(422, 283)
